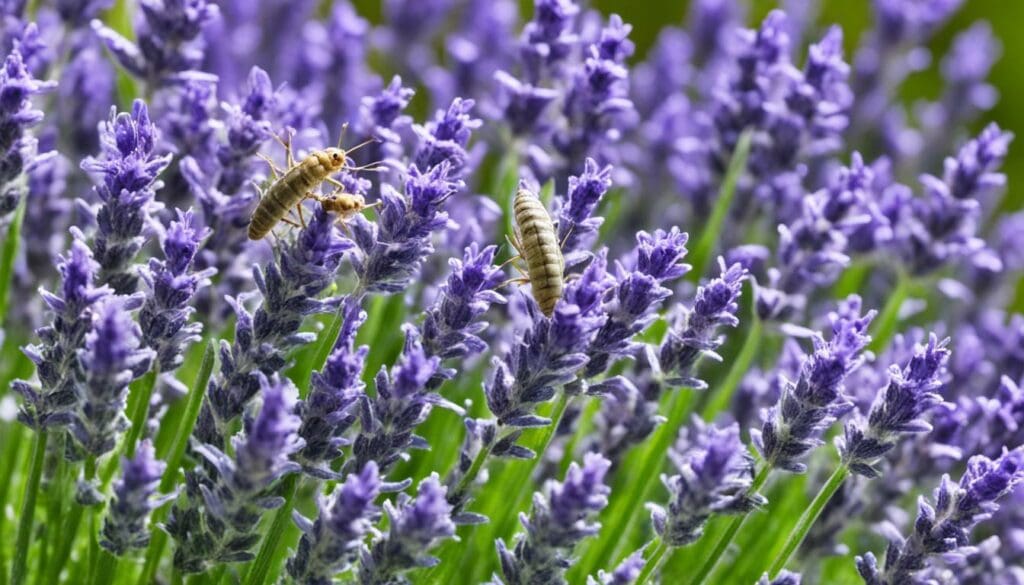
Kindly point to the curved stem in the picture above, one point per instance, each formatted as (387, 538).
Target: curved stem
(709, 237)
(188, 421)
(654, 562)
(265, 557)
(143, 393)
(28, 509)
(808, 518)
(12, 240)
(885, 324)
(730, 532)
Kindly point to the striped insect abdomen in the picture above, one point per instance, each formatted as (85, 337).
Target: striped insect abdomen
(544, 262)
(281, 196)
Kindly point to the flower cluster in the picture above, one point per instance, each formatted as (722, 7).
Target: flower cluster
(134, 499)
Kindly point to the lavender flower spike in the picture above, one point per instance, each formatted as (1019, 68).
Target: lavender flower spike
(783, 578)
(808, 407)
(327, 412)
(333, 541)
(56, 356)
(897, 410)
(577, 225)
(444, 139)
(561, 517)
(173, 284)
(695, 332)
(242, 489)
(715, 474)
(624, 574)
(415, 525)
(125, 527)
(111, 359)
(126, 185)
(17, 149)
(304, 268)
(947, 526)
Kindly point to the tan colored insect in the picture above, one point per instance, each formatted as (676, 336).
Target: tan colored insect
(290, 187)
(536, 241)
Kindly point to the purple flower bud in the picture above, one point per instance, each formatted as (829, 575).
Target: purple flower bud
(56, 356)
(695, 332)
(945, 525)
(126, 182)
(561, 516)
(173, 284)
(110, 360)
(330, 544)
(402, 402)
(381, 117)
(125, 527)
(783, 578)
(548, 38)
(415, 525)
(451, 326)
(241, 488)
(168, 39)
(290, 288)
(715, 474)
(523, 105)
(17, 149)
(577, 225)
(624, 574)
(897, 410)
(793, 427)
(393, 248)
(78, 13)
(444, 139)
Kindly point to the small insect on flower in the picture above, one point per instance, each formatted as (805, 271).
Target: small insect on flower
(537, 243)
(299, 182)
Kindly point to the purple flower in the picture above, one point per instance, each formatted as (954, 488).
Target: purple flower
(218, 521)
(173, 284)
(329, 544)
(290, 288)
(897, 410)
(624, 574)
(633, 301)
(168, 43)
(415, 525)
(451, 325)
(126, 180)
(695, 331)
(444, 140)
(793, 427)
(561, 516)
(17, 149)
(711, 21)
(333, 391)
(111, 358)
(946, 526)
(577, 224)
(598, 97)
(549, 38)
(125, 527)
(402, 402)
(943, 225)
(715, 474)
(381, 118)
(548, 354)
(523, 105)
(393, 248)
(783, 578)
(47, 215)
(56, 356)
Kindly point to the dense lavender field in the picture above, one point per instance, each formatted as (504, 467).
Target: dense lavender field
(766, 334)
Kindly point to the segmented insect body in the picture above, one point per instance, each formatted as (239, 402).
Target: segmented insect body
(344, 205)
(539, 247)
(292, 187)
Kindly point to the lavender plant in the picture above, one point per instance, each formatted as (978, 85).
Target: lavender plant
(379, 400)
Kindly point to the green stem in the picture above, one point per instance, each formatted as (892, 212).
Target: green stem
(169, 479)
(809, 517)
(106, 569)
(654, 563)
(718, 399)
(10, 251)
(701, 253)
(282, 517)
(67, 538)
(28, 509)
(885, 324)
(730, 532)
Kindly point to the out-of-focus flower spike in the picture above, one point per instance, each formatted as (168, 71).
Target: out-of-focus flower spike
(135, 497)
